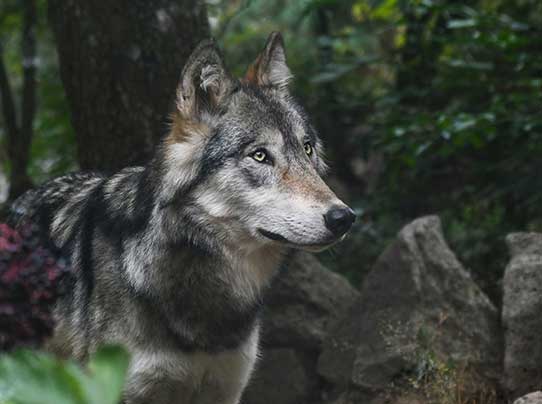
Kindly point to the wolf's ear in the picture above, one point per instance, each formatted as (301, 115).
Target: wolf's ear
(205, 83)
(270, 68)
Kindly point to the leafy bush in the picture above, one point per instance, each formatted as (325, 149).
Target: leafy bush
(461, 132)
(31, 279)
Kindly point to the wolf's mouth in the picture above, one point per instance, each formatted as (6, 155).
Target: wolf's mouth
(309, 247)
(272, 236)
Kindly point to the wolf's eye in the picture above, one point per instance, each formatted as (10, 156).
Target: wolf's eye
(260, 156)
(308, 149)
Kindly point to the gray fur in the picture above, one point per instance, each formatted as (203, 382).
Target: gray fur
(173, 259)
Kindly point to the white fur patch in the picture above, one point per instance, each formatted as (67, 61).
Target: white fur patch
(251, 264)
(251, 271)
(227, 372)
(67, 216)
(182, 160)
(211, 76)
(140, 257)
(279, 73)
(214, 203)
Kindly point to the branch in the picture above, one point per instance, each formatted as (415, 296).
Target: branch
(28, 109)
(19, 146)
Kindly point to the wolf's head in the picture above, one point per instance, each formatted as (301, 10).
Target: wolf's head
(244, 155)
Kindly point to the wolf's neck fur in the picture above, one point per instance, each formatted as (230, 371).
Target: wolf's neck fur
(204, 279)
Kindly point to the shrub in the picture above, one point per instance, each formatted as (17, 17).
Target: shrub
(32, 278)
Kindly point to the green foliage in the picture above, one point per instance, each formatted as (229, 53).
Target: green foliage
(461, 137)
(28, 377)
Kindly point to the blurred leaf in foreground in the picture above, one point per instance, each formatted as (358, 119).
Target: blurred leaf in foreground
(28, 377)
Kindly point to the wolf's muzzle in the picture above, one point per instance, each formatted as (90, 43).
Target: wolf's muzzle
(339, 219)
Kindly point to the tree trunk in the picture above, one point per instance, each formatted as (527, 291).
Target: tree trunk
(19, 131)
(120, 61)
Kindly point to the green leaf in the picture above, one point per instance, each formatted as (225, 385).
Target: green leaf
(108, 369)
(466, 23)
(28, 377)
(37, 378)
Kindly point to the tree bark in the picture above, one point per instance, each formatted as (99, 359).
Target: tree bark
(19, 136)
(120, 61)
(20, 181)
(8, 104)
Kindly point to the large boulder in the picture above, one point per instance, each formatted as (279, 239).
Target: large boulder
(303, 301)
(533, 398)
(418, 304)
(522, 314)
(280, 377)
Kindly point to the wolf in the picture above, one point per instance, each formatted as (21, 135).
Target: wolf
(173, 259)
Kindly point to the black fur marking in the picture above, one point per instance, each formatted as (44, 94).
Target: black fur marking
(201, 302)
(223, 146)
(220, 322)
(217, 150)
(115, 222)
(88, 217)
(254, 179)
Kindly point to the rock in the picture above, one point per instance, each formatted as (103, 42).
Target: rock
(533, 398)
(302, 304)
(280, 377)
(350, 397)
(303, 301)
(418, 303)
(405, 398)
(354, 396)
(522, 314)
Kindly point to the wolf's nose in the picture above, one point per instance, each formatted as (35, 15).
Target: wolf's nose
(339, 219)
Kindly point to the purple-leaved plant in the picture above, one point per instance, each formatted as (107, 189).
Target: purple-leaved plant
(32, 278)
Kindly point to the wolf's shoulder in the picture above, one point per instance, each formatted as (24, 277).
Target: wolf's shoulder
(58, 205)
